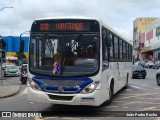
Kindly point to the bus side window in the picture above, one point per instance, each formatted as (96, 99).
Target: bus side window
(106, 43)
(105, 51)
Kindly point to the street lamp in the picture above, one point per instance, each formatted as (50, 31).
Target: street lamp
(1, 59)
(22, 44)
(25, 32)
(1, 47)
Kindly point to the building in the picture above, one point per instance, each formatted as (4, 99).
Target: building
(139, 26)
(151, 49)
(13, 46)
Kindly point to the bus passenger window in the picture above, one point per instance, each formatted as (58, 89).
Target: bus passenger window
(47, 61)
(90, 52)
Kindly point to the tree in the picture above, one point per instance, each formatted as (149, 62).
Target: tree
(3, 54)
(3, 43)
(20, 55)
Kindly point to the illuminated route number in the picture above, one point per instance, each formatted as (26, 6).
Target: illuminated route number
(44, 26)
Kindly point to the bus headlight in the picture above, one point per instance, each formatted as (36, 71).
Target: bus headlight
(34, 85)
(91, 87)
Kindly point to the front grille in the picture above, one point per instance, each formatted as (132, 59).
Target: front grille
(139, 72)
(12, 72)
(62, 85)
(61, 82)
(64, 98)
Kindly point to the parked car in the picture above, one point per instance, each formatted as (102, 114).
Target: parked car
(4, 65)
(138, 71)
(143, 63)
(149, 64)
(158, 77)
(137, 63)
(156, 65)
(11, 70)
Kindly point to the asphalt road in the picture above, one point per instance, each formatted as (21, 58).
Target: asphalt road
(141, 95)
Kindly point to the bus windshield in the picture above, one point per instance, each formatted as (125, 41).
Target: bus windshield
(64, 54)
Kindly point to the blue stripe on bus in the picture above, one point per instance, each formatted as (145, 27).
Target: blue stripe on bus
(66, 89)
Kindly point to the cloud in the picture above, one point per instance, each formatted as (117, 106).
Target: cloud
(118, 14)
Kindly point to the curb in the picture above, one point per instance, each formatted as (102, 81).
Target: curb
(15, 89)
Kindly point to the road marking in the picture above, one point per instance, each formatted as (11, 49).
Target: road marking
(31, 102)
(151, 87)
(125, 107)
(143, 85)
(142, 102)
(112, 106)
(126, 94)
(133, 96)
(24, 91)
(157, 88)
(129, 90)
(117, 101)
(135, 102)
(37, 118)
(135, 87)
(149, 108)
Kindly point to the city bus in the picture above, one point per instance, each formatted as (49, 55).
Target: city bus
(76, 61)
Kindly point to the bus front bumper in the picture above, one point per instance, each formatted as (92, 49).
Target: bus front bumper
(92, 99)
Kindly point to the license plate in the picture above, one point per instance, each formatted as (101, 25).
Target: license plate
(24, 75)
(139, 74)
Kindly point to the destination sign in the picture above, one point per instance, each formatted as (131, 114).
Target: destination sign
(65, 26)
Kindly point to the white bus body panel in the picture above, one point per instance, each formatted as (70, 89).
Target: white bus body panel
(39, 96)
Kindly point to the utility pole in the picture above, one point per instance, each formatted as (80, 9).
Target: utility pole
(1, 48)
(1, 60)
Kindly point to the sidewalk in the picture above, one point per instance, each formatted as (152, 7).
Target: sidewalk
(7, 90)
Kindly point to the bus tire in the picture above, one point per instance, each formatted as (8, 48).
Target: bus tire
(158, 80)
(111, 92)
(126, 84)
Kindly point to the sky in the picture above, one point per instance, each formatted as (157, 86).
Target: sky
(118, 14)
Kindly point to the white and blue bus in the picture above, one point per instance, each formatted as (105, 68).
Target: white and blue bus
(76, 61)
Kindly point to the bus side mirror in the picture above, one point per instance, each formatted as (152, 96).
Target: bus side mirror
(105, 64)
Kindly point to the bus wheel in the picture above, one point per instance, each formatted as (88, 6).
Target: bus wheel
(110, 93)
(126, 84)
(158, 80)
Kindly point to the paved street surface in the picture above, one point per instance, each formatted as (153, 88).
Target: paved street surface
(141, 95)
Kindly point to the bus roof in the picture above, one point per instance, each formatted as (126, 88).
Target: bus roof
(68, 17)
(85, 18)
